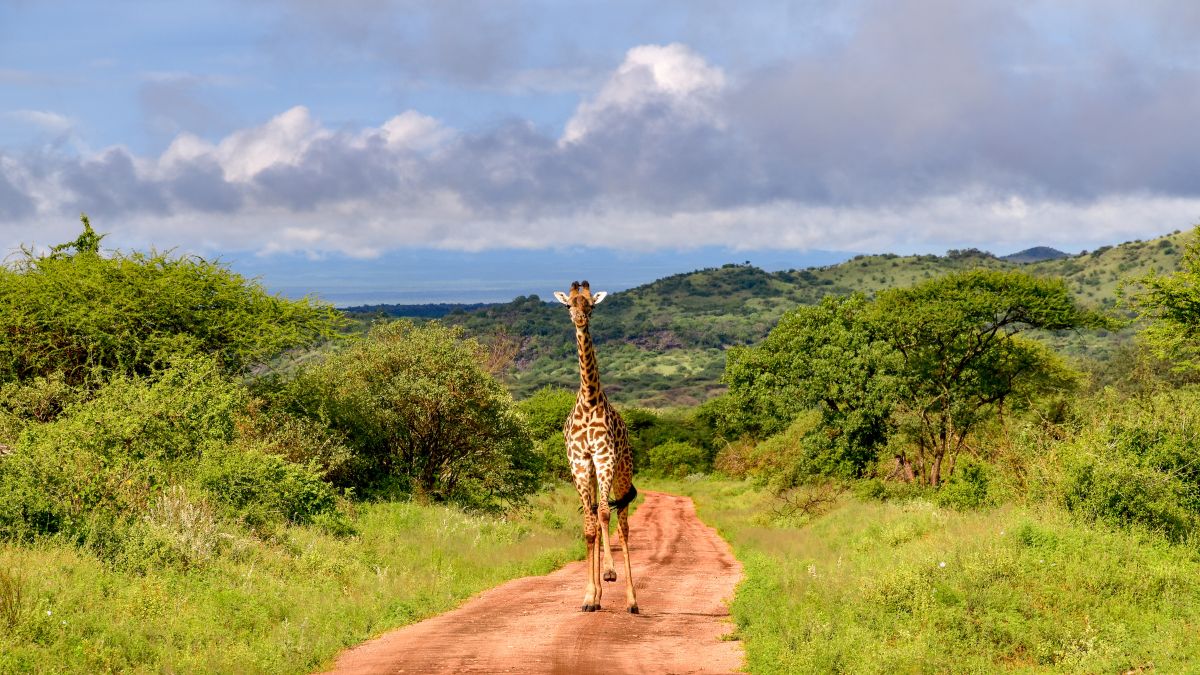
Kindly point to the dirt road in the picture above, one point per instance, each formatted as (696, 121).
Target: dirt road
(684, 574)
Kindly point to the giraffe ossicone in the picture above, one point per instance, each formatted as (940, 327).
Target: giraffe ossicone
(600, 457)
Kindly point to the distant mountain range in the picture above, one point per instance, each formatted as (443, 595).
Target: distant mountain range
(422, 276)
(662, 343)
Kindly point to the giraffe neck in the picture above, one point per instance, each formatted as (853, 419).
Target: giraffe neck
(589, 371)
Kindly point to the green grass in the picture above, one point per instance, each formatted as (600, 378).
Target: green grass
(287, 605)
(908, 587)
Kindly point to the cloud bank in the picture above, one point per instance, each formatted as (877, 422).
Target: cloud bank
(923, 125)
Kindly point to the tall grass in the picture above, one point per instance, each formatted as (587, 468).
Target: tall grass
(886, 587)
(284, 605)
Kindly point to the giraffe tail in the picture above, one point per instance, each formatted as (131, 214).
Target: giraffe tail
(625, 500)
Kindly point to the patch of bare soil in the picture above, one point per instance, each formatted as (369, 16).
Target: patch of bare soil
(684, 575)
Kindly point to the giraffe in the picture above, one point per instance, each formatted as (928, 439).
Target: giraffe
(600, 456)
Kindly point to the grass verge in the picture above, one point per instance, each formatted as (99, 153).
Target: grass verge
(284, 605)
(887, 587)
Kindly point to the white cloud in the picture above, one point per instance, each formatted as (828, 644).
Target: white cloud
(282, 140)
(670, 75)
(412, 130)
(45, 120)
(669, 151)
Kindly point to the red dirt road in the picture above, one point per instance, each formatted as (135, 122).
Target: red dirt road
(684, 574)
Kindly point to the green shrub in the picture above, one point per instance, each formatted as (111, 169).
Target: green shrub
(968, 487)
(92, 316)
(421, 415)
(1137, 462)
(546, 411)
(552, 453)
(1124, 492)
(40, 399)
(261, 489)
(676, 459)
(299, 440)
(802, 453)
(102, 461)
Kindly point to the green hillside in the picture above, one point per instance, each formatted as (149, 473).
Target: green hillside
(662, 343)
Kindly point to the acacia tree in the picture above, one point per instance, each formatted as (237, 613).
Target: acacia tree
(1171, 305)
(830, 357)
(930, 362)
(960, 359)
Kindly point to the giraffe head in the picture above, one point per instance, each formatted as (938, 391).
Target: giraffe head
(581, 301)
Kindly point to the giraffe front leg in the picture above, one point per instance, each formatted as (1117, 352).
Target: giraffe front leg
(604, 484)
(591, 597)
(583, 485)
(623, 531)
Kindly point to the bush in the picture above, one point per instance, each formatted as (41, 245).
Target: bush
(1123, 492)
(805, 452)
(261, 489)
(1137, 462)
(547, 410)
(421, 415)
(138, 472)
(968, 487)
(89, 316)
(104, 458)
(544, 413)
(676, 459)
(38, 400)
(299, 440)
(734, 460)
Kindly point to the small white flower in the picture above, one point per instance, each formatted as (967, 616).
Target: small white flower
(48, 612)
(1042, 561)
(64, 623)
(942, 564)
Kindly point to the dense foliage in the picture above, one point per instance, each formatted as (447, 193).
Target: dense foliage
(125, 407)
(959, 359)
(421, 414)
(112, 472)
(916, 368)
(87, 315)
(830, 357)
(545, 412)
(1171, 303)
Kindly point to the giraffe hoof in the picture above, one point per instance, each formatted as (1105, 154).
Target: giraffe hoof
(633, 609)
(610, 575)
(591, 608)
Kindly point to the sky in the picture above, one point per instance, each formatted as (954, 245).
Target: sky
(369, 147)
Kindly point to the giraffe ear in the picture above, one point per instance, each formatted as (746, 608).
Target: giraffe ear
(562, 297)
(598, 297)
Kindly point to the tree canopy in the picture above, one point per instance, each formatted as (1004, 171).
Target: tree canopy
(925, 363)
(79, 311)
(1171, 305)
(960, 357)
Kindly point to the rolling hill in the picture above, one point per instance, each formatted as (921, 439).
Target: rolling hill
(663, 343)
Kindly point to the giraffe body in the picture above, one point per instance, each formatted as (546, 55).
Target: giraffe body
(600, 457)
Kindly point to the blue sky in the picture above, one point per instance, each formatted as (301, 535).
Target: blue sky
(325, 142)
